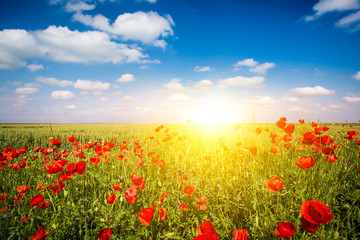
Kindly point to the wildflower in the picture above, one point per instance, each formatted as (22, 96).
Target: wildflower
(274, 184)
(40, 234)
(131, 194)
(189, 190)
(183, 206)
(305, 162)
(316, 212)
(105, 234)
(162, 213)
(111, 199)
(201, 203)
(285, 229)
(146, 215)
(206, 231)
(240, 234)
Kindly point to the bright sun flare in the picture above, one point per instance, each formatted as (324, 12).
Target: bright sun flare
(213, 112)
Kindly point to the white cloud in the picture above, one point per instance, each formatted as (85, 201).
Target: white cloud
(130, 98)
(150, 1)
(127, 77)
(15, 46)
(202, 69)
(63, 95)
(175, 85)
(348, 20)
(89, 85)
(35, 67)
(70, 107)
(351, 99)
(160, 43)
(247, 62)
(261, 100)
(203, 84)
(262, 68)
(78, 6)
(240, 81)
(26, 90)
(290, 99)
(101, 101)
(139, 26)
(357, 76)
(54, 81)
(21, 100)
(312, 91)
(142, 109)
(63, 45)
(325, 6)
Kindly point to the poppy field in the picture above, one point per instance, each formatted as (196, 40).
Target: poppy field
(180, 181)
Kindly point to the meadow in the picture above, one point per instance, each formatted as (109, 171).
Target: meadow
(180, 181)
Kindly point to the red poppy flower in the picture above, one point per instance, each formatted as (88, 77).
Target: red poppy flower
(183, 206)
(118, 187)
(56, 167)
(253, 151)
(43, 205)
(351, 135)
(36, 200)
(138, 181)
(105, 234)
(308, 226)
(94, 160)
(316, 212)
(23, 188)
(70, 139)
(57, 187)
(207, 231)
(189, 190)
(55, 142)
(289, 128)
(162, 197)
(305, 162)
(285, 229)
(201, 203)
(280, 124)
(111, 199)
(331, 158)
(3, 197)
(36, 149)
(146, 215)
(275, 149)
(309, 138)
(25, 218)
(162, 213)
(40, 234)
(301, 121)
(131, 194)
(78, 168)
(274, 184)
(240, 234)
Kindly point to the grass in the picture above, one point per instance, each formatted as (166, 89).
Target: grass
(216, 162)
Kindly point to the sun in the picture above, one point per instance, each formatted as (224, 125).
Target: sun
(213, 112)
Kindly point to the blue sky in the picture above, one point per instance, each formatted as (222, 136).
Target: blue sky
(167, 61)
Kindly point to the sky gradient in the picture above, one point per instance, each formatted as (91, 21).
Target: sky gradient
(167, 61)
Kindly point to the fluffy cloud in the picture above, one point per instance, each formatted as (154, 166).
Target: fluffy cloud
(240, 81)
(139, 26)
(357, 76)
(63, 95)
(89, 85)
(35, 67)
(17, 45)
(26, 90)
(175, 85)
(63, 45)
(325, 6)
(129, 98)
(70, 107)
(312, 91)
(127, 77)
(54, 81)
(262, 69)
(78, 6)
(351, 99)
(101, 101)
(247, 62)
(254, 66)
(202, 69)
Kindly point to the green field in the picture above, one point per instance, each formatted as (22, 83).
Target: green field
(218, 161)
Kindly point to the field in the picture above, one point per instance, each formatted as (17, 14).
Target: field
(152, 181)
